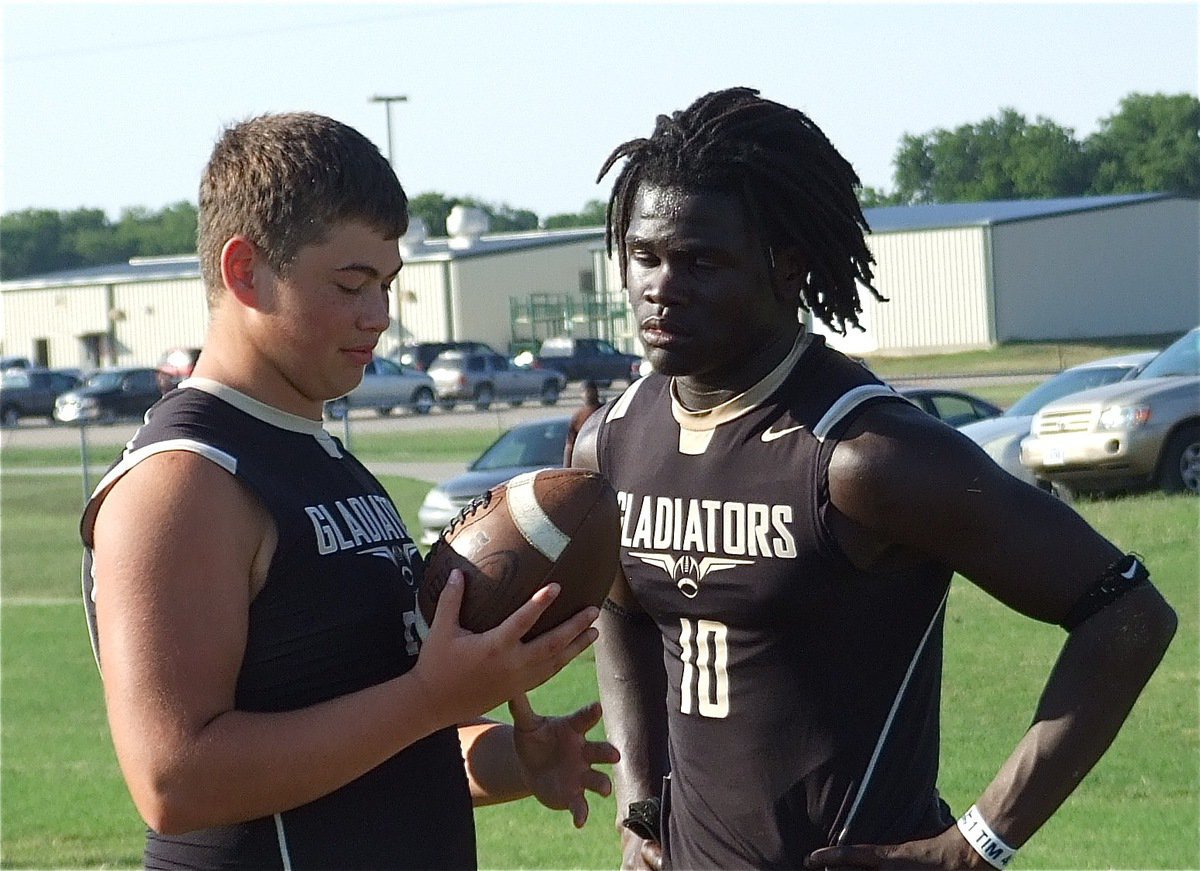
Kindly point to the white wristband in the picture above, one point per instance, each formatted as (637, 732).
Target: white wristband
(983, 840)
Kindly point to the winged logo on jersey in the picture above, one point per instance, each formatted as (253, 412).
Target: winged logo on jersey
(401, 555)
(686, 571)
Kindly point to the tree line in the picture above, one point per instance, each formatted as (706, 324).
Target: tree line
(1150, 143)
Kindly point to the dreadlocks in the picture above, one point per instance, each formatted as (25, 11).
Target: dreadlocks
(794, 185)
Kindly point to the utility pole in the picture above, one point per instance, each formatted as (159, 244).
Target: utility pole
(387, 102)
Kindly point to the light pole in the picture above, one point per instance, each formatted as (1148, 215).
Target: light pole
(387, 102)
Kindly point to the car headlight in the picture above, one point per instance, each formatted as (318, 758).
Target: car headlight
(1124, 416)
(438, 500)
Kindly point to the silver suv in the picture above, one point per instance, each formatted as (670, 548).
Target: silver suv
(1136, 433)
(386, 385)
(482, 378)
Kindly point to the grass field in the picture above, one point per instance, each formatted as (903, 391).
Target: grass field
(1014, 357)
(63, 803)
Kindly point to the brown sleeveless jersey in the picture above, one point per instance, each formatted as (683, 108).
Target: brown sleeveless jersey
(802, 693)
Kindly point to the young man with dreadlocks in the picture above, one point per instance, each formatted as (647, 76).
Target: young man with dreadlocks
(770, 654)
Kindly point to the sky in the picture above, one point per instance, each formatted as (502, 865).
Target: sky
(113, 106)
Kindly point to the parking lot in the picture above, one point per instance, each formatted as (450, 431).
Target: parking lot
(38, 433)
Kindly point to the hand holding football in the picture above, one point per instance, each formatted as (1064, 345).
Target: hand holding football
(552, 525)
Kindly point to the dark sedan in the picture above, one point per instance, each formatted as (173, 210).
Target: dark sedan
(110, 395)
(952, 406)
(31, 393)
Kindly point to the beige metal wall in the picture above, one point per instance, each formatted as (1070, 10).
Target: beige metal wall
(1125, 271)
(435, 299)
(57, 314)
(157, 315)
(484, 285)
(609, 281)
(418, 305)
(143, 318)
(936, 284)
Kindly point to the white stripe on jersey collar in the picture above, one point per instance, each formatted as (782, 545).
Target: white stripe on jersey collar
(266, 413)
(733, 408)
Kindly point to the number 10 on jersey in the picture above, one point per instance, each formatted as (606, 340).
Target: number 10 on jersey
(704, 651)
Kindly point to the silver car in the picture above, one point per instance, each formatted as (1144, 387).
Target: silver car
(524, 448)
(385, 386)
(1136, 433)
(1000, 437)
(483, 378)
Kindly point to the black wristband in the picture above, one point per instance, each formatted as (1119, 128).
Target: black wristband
(644, 819)
(1123, 575)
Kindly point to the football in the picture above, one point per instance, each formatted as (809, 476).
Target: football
(552, 525)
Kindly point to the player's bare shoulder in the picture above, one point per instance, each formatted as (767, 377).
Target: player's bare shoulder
(183, 480)
(896, 457)
(880, 434)
(587, 444)
(176, 488)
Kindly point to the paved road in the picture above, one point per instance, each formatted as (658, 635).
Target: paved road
(431, 472)
(35, 433)
(103, 439)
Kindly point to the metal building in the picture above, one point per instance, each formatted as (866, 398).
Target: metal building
(124, 314)
(457, 287)
(957, 276)
(972, 275)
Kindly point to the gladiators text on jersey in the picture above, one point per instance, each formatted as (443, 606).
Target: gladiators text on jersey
(353, 522)
(711, 527)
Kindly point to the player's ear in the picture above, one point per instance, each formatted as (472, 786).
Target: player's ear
(789, 270)
(239, 257)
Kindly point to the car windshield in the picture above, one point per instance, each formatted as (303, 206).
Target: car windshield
(105, 380)
(448, 360)
(537, 445)
(1179, 358)
(1063, 384)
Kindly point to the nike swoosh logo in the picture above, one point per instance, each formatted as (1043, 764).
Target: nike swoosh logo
(1129, 574)
(769, 435)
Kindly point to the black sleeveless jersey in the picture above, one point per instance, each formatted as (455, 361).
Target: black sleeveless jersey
(802, 693)
(336, 615)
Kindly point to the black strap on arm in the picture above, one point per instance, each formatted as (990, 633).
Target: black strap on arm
(1122, 575)
(613, 608)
